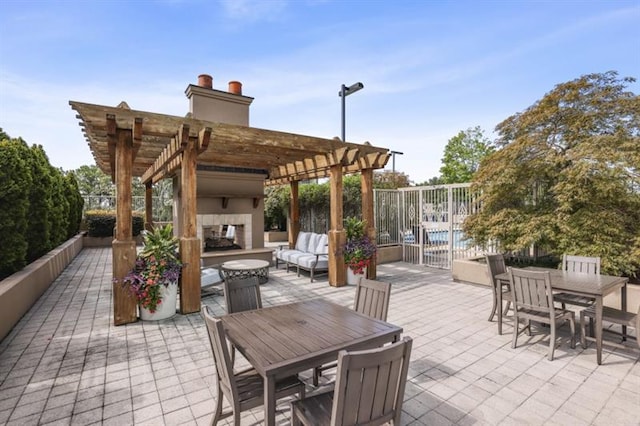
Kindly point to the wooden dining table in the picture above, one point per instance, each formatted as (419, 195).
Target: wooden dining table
(282, 340)
(590, 285)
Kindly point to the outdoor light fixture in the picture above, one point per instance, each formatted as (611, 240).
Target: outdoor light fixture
(393, 160)
(343, 93)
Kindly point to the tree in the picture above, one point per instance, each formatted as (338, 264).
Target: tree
(15, 183)
(463, 154)
(566, 175)
(436, 180)
(93, 181)
(387, 179)
(40, 204)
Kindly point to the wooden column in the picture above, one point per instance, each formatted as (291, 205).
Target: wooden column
(189, 243)
(123, 246)
(148, 206)
(366, 184)
(337, 235)
(294, 215)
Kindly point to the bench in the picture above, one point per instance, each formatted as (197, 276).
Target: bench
(310, 253)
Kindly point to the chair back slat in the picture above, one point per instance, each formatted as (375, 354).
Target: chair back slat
(242, 294)
(221, 356)
(496, 265)
(581, 264)
(372, 298)
(370, 385)
(531, 289)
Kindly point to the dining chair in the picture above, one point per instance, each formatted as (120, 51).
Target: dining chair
(372, 299)
(611, 315)
(580, 265)
(501, 291)
(241, 294)
(533, 300)
(369, 389)
(243, 389)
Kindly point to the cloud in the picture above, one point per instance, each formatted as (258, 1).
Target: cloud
(250, 11)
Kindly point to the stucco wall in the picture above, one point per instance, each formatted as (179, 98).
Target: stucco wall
(21, 290)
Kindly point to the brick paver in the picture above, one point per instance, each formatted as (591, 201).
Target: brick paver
(65, 363)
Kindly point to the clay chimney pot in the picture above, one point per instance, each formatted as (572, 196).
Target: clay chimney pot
(235, 87)
(206, 81)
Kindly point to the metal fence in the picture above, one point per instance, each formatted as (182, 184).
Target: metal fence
(427, 222)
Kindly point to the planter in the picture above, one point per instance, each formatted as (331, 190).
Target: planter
(167, 308)
(353, 278)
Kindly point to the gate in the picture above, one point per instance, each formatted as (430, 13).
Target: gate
(430, 223)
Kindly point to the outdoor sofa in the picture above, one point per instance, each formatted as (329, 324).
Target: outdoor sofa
(310, 253)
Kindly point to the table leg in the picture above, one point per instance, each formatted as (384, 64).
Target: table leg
(270, 401)
(598, 306)
(624, 309)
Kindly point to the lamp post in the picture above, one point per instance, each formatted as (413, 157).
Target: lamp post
(393, 160)
(343, 93)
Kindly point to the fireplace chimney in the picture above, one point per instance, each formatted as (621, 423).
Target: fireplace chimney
(207, 103)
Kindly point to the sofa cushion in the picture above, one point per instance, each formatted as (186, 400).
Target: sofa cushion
(321, 246)
(308, 261)
(302, 243)
(313, 242)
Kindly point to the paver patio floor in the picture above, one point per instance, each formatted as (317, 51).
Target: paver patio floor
(66, 363)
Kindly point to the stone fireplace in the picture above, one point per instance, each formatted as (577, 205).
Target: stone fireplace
(216, 226)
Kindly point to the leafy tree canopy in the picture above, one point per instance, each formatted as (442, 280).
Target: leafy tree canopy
(566, 176)
(463, 154)
(387, 179)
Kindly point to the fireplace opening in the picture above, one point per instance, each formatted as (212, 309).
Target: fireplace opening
(223, 237)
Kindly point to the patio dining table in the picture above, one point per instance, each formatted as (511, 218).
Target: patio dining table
(589, 285)
(282, 340)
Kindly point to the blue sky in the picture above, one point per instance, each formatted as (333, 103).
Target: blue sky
(430, 68)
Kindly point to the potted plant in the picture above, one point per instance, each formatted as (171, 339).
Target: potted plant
(153, 281)
(358, 250)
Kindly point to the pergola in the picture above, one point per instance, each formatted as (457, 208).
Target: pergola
(127, 143)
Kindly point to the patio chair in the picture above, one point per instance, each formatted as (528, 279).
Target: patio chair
(242, 294)
(495, 266)
(611, 315)
(243, 389)
(533, 300)
(369, 389)
(372, 299)
(581, 265)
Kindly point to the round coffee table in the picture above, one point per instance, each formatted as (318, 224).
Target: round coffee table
(245, 268)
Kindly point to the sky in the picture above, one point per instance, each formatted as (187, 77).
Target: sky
(430, 68)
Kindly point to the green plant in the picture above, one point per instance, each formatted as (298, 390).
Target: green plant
(157, 265)
(101, 223)
(359, 249)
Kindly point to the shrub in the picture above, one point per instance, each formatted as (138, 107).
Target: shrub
(101, 223)
(40, 205)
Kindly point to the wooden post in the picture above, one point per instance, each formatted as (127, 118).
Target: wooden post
(189, 243)
(337, 235)
(148, 206)
(294, 215)
(123, 246)
(366, 184)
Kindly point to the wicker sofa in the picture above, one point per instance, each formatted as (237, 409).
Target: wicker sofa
(310, 253)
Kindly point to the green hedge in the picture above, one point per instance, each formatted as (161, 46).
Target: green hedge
(41, 206)
(101, 223)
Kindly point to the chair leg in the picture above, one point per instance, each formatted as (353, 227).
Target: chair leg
(218, 412)
(514, 340)
(583, 340)
(591, 327)
(552, 342)
(528, 328)
(572, 324)
(506, 308)
(495, 304)
(316, 376)
(295, 421)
